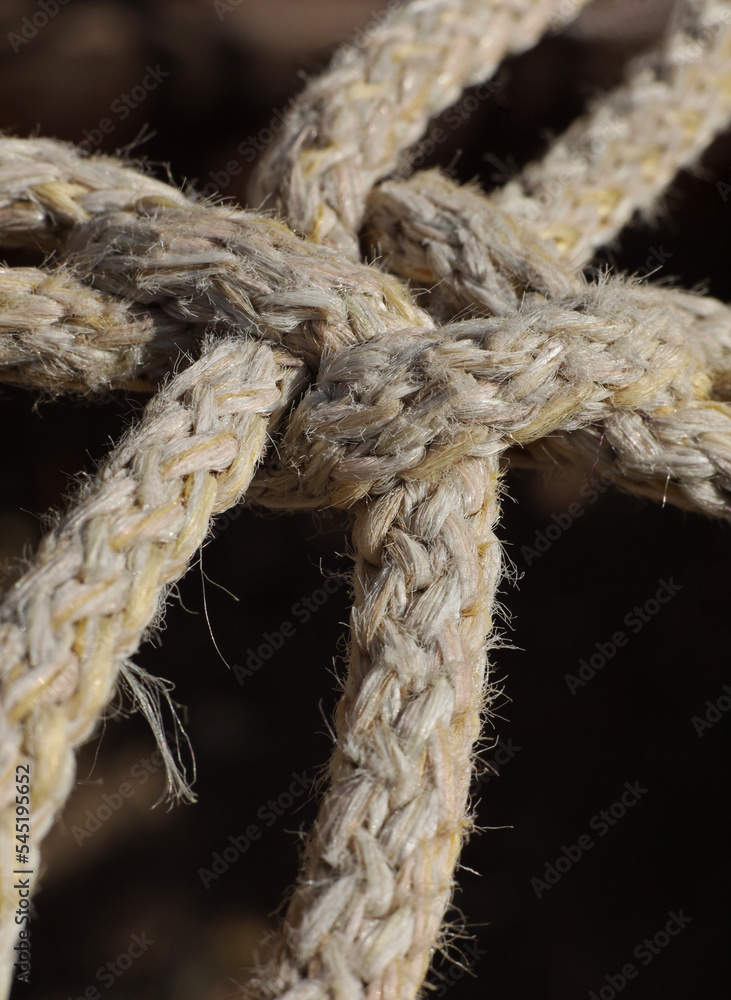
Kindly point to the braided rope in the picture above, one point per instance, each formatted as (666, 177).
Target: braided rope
(519, 382)
(374, 408)
(605, 361)
(378, 872)
(622, 155)
(348, 128)
(68, 627)
(47, 188)
(473, 259)
(545, 371)
(141, 257)
(59, 335)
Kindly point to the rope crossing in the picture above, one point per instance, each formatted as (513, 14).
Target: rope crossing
(285, 370)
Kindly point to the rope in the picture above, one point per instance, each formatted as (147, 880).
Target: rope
(603, 361)
(143, 258)
(373, 406)
(47, 188)
(59, 335)
(378, 871)
(475, 259)
(68, 627)
(348, 129)
(622, 155)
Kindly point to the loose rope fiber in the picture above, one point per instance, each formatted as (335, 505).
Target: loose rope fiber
(303, 379)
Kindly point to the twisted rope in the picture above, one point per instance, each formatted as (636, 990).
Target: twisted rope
(375, 408)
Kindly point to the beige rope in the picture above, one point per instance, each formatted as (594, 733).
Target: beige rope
(378, 873)
(68, 627)
(383, 411)
(56, 333)
(403, 421)
(453, 238)
(611, 362)
(59, 335)
(47, 187)
(473, 258)
(348, 128)
(621, 156)
(375, 883)
(257, 276)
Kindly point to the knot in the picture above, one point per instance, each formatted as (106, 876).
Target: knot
(406, 406)
(236, 271)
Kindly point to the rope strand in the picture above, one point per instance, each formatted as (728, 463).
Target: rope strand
(348, 128)
(621, 156)
(69, 625)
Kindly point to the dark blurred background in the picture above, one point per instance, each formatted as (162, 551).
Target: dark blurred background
(112, 873)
